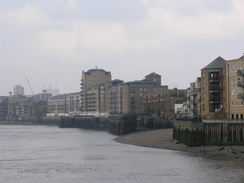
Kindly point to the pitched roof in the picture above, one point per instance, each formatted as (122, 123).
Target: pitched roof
(153, 74)
(140, 82)
(97, 70)
(218, 63)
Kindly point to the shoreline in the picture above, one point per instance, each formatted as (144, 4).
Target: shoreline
(24, 123)
(162, 139)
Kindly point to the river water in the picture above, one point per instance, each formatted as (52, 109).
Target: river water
(43, 154)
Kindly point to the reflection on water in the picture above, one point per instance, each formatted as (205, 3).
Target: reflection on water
(48, 154)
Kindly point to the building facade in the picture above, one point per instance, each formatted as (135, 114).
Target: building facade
(213, 90)
(90, 79)
(22, 108)
(3, 107)
(235, 88)
(18, 90)
(58, 105)
(194, 99)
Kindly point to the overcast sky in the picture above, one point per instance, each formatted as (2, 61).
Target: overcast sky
(51, 42)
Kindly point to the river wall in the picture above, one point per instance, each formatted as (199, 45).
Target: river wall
(122, 124)
(115, 124)
(209, 132)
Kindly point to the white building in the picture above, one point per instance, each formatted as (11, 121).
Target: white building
(18, 90)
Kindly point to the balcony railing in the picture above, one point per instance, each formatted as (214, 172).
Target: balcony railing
(214, 79)
(214, 100)
(241, 96)
(240, 84)
(240, 72)
(214, 89)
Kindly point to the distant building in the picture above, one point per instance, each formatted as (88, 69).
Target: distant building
(22, 108)
(54, 91)
(18, 90)
(194, 99)
(131, 96)
(162, 101)
(58, 105)
(89, 80)
(73, 101)
(3, 107)
(181, 110)
(45, 96)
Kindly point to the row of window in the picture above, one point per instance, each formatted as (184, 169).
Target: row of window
(233, 92)
(236, 116)
(237, 103)
(235, 68)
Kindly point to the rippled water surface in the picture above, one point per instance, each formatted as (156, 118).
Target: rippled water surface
(30, 154)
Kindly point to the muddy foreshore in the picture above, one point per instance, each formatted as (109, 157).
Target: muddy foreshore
(162, 139)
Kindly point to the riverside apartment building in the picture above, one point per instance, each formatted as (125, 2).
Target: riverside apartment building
(235, 88)
(222, 90)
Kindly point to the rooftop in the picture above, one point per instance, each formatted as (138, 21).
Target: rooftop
(218, 63)
(96, 70)
(153, 74)
(61, 96)
(140, 82)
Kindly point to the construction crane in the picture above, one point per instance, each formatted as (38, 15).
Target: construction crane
(29, 85)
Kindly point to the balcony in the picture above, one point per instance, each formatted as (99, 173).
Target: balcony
(240, 84)
(194, 112)
(214, 79)
(194, 94)
(241, 96)
(240, 72)
(214, 100)
(214, 89)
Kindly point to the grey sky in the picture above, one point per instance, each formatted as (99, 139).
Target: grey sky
(51, 42)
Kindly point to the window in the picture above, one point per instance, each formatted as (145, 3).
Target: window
(232, 81)
(242, 103)
(237, 103)
(203, 107)
(232, 103)
(236, 91)
(232, 92)
(203, 75)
